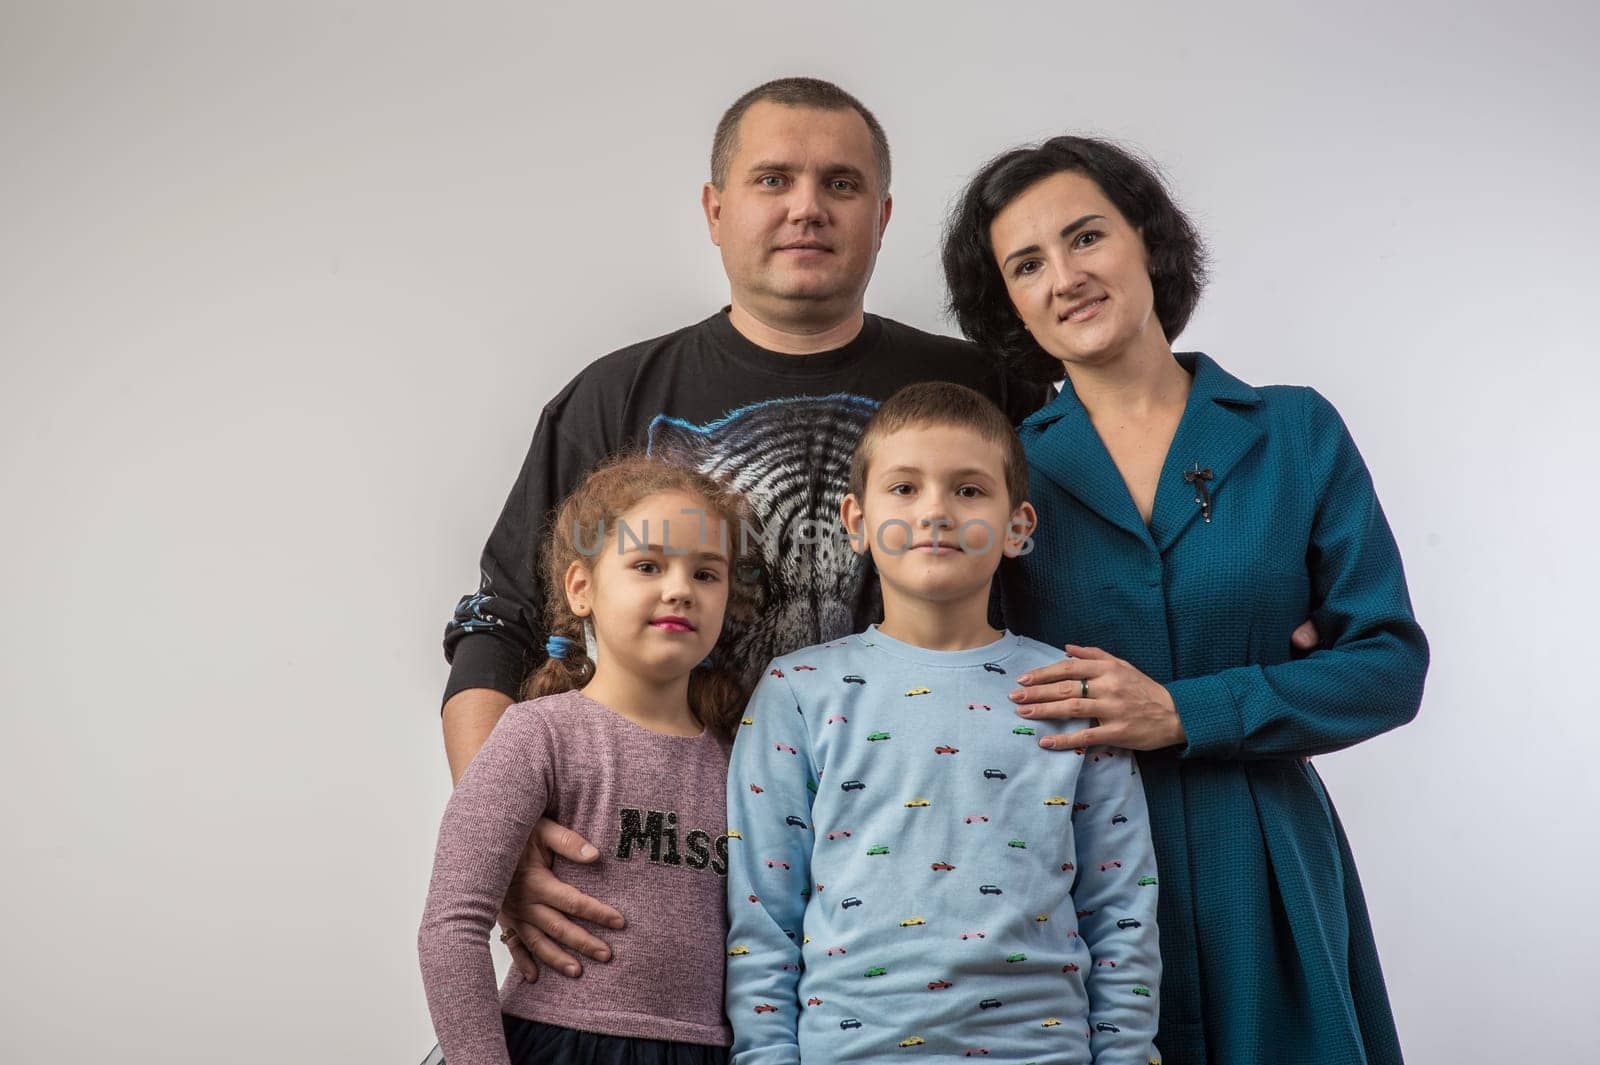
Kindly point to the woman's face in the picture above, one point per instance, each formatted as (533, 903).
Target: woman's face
(1076, 271)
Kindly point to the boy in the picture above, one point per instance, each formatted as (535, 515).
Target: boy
(909, 874)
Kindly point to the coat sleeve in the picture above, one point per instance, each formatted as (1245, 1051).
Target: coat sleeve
(769, 865)
(1115, 892)
(496, 634)
(484, 832)
(1366, 677)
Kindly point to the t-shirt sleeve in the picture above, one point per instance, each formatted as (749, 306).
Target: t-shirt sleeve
(769, 866)
(1115, 893)
(483, 834)
(496, 633)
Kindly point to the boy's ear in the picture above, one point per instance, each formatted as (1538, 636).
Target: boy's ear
(579, 584)
(853, 518)
(1019, 534)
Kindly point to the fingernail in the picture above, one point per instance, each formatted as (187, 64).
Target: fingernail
(1045, 743)
(571, 970)
(1016, 697)
(1025, 711)
(618, 922)
(604, 955)
(589, 853)
(1026, 678)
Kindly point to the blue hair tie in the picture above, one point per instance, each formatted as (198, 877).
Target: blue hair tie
(558, 646)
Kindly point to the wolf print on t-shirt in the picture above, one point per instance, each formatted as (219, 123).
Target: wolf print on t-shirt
(791, 459)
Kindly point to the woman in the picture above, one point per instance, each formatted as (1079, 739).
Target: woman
(1188, 523)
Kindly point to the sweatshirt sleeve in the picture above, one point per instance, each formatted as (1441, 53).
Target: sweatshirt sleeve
(1115, 893)
(496, 633)
(769, 866)
(485, 829)
(1367, 676)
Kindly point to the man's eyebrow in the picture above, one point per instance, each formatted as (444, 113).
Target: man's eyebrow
(778, 166)
(1066, 231)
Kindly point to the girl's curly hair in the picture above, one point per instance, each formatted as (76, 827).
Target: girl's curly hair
(716, 695)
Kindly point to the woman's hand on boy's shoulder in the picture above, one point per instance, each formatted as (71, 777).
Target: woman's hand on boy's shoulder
(539, 906)
(1130, 710)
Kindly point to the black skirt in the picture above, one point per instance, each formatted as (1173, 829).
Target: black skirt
(532, 1043)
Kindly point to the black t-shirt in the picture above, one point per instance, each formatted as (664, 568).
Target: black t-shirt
(780, 428)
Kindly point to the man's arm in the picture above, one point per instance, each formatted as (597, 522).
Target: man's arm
(496, 635)
(492, 641)
(469, 716)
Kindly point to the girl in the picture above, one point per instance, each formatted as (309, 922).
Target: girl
(627, 744)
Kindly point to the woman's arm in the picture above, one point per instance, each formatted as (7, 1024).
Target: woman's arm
(1365, 679)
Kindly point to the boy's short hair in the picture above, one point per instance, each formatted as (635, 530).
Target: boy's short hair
(933, 403)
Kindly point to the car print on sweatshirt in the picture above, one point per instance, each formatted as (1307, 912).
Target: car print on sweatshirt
(918, 691)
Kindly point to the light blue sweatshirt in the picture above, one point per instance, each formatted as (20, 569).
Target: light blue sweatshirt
(911, 876)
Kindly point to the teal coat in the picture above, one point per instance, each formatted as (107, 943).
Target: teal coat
(1267, 950)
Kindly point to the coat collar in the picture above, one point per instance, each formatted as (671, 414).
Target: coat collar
(1213, 432)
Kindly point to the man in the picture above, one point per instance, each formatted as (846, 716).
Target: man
(770, 394)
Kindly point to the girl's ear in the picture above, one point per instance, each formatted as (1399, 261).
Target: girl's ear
(579, 584)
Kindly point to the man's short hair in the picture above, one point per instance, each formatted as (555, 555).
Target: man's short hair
(940, 403)
(794, 92)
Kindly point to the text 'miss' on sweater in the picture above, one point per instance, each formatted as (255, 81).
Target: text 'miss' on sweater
(911, 874)
(654, 806)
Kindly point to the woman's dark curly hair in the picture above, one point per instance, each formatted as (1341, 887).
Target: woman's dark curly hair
(978, 297)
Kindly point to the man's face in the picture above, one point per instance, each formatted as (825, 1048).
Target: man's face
(801, 214)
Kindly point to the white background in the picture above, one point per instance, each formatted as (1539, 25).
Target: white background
(283, 287)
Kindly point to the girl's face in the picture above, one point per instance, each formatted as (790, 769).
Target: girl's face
(657, 587)
(1077, 273)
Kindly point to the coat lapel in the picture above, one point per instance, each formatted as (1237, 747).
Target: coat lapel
(1214, 433)
(1062, 445)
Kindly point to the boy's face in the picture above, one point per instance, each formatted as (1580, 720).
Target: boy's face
(935, 514)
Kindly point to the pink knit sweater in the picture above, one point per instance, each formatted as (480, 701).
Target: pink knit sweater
(655, 806)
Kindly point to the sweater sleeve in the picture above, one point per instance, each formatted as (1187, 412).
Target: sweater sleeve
(769, 866)
(1367, 676)
(484, 832)
(495, 635)
(1115, 893)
